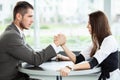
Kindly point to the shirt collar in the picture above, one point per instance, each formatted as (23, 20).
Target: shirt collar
(20, 31)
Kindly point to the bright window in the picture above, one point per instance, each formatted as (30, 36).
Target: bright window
(65, 16)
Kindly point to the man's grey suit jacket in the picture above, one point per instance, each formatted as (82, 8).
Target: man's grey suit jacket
(13, 49)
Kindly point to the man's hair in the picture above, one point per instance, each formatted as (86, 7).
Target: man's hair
(21, 7)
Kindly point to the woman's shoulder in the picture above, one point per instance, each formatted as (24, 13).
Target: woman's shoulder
(110, 42)
(110, 38)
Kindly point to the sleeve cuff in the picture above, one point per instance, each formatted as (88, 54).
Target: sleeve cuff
(79, 58)
(93, 62)
(55, 48)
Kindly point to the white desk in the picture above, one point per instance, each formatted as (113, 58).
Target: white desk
(49, 71)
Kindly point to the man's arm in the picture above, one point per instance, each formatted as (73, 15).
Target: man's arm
(18, 49)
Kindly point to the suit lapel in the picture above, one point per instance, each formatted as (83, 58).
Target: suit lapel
(12, 26)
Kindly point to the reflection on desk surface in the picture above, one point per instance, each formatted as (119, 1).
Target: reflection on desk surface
(49, 66)
(53, 67)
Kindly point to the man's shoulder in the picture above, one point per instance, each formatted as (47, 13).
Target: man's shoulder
(10, 33)
(10, 30)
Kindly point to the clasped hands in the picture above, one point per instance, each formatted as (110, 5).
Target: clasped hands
(59, 40)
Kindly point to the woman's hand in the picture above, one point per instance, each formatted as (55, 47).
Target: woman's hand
(64, 71)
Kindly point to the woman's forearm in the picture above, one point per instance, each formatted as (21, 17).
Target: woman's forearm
(81, 66)
(69, 53)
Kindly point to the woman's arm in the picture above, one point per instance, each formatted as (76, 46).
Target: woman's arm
(69, 53)
(65, 71)
(80, 66)
(61, 40)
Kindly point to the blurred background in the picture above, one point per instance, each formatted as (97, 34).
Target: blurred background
(69, 17)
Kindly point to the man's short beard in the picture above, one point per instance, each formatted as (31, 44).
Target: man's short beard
(22, 25)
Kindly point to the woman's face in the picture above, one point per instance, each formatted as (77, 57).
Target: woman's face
(89, 28)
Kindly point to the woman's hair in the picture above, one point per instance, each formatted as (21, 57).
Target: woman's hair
(21, 7)
(100, 29)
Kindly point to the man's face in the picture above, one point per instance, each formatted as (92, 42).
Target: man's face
(27, 19)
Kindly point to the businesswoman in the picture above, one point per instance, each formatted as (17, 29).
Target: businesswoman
(103, 51)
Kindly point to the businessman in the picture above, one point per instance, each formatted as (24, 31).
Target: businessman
(13, 48)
